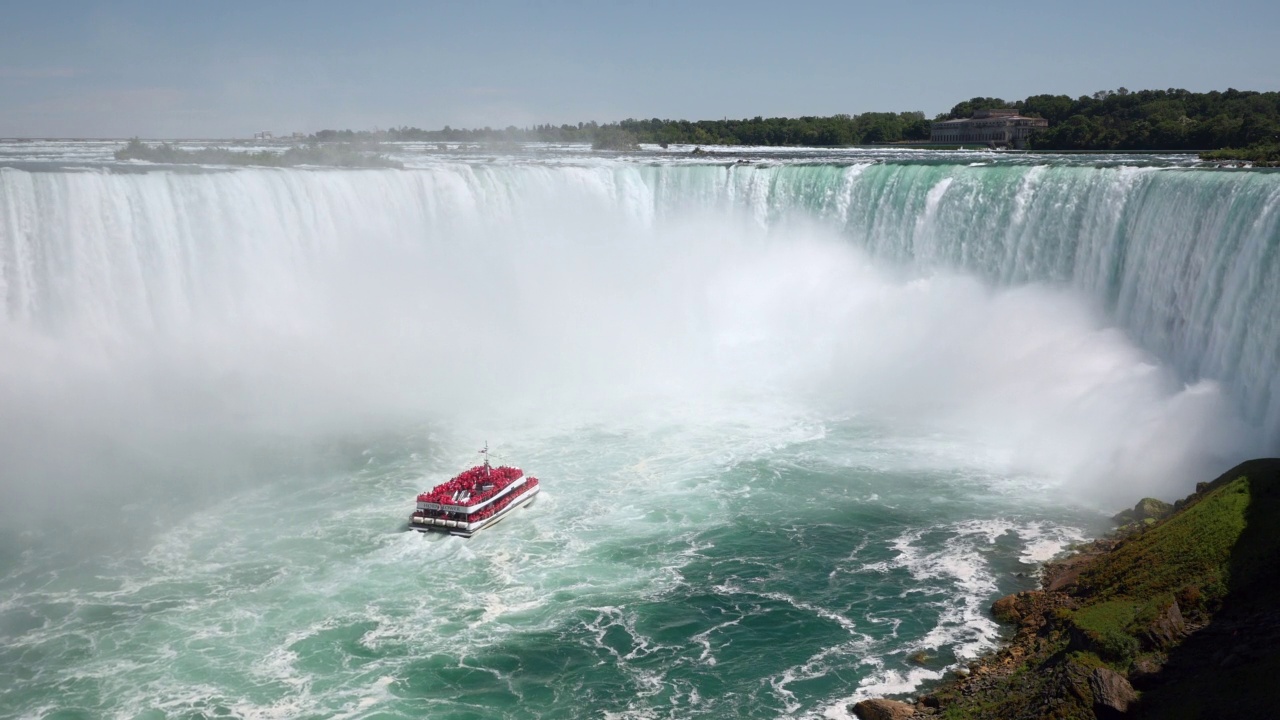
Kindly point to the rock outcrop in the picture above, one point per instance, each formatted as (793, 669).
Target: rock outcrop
(1147, 511)
(1166, 630)
(1112, 693)
(881, 709)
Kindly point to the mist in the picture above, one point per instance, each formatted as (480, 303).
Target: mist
(187, 335)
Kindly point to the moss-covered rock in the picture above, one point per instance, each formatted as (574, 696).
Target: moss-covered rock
(1161, 626)
(1147, 511)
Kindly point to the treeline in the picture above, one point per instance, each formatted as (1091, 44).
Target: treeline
(1171, 119)
(833, 131)
(836, 130)
(1109, 120)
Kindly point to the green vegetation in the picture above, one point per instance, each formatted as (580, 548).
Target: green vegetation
(341, 155)
(1260, 155)
(1212, 567)
(1171, 119)
(1108, 629)
(1137, 594)
(1192, 548)
(833, 131)
(1108, 120)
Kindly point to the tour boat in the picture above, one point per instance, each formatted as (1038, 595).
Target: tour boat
(474, 499)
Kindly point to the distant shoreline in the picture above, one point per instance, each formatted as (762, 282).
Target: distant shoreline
(283, 144)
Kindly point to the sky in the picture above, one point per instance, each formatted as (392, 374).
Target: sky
(198, 69)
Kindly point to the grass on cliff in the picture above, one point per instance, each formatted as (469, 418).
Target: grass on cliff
(1220, 553)
(1206, 687)
(1190, 552)
(1112, 628)
(1219, 544)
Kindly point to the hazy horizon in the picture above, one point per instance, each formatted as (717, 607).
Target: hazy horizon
(98, 70)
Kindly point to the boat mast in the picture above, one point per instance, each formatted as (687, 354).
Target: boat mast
(485, 453)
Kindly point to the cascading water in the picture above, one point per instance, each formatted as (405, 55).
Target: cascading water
(797, 422)
(1186, 261)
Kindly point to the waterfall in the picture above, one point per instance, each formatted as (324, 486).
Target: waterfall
(1185, 261)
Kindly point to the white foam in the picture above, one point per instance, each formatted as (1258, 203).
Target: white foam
(1043, 542)
(960, 584)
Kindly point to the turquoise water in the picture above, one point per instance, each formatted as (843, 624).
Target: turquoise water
(649, 581)
(798, 422)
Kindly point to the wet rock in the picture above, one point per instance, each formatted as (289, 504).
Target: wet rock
(1006, 609)
(1031, 611)
(1062, 576)
(881, 709)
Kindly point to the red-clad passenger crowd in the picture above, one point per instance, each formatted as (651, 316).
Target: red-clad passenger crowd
(490, 510)
(480, 483)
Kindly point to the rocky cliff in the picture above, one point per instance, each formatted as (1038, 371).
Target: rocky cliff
(1176, 616)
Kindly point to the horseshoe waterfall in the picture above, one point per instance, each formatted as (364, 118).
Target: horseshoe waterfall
(798, 418)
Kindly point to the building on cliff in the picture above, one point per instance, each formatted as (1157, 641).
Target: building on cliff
(996, 128)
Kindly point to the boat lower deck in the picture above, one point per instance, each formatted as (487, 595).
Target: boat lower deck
(461, 528)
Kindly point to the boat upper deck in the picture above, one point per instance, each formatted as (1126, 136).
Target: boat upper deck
(473, 489)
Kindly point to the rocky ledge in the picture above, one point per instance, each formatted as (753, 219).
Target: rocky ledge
(1177, 615)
